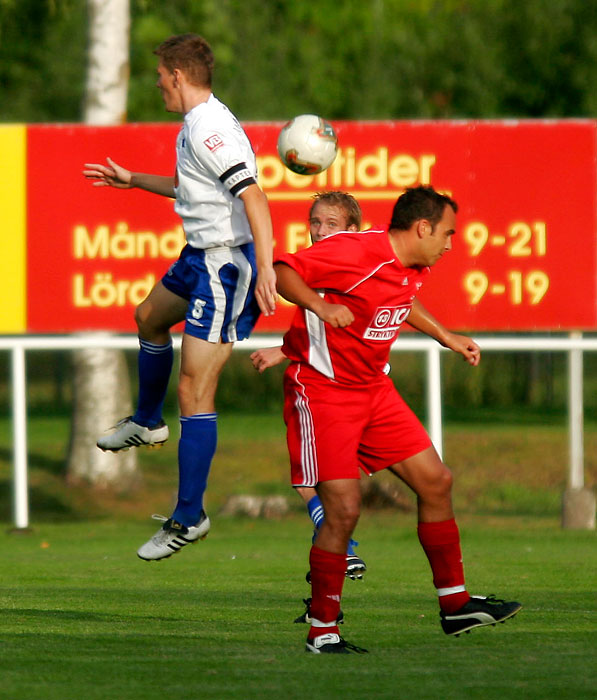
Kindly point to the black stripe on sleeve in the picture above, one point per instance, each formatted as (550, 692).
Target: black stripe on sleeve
(239, 187)
(237, 178)
(231, 171)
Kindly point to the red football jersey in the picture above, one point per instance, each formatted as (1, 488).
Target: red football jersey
(361, 271)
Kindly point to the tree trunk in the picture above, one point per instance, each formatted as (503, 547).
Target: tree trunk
(108, 62)
(101, 382)
(101, 396)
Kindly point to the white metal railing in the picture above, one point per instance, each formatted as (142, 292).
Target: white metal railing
(574, 344)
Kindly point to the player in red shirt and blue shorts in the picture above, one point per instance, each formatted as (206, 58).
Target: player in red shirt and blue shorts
(343, 413)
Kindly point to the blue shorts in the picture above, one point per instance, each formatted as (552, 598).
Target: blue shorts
(219, 284)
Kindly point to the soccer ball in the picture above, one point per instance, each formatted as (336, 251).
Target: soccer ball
(307, 144)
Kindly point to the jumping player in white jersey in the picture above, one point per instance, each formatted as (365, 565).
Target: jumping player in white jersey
(343, 412)
(221, 281)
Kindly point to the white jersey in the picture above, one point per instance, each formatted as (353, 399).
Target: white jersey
(215, 163)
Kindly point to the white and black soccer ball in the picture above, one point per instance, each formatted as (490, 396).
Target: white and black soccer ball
(307, 145)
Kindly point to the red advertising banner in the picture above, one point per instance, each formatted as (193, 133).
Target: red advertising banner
(524, 257)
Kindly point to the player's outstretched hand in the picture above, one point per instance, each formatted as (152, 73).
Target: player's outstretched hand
(465, 346)
(111, 175)
(265, 291)
(267, 357)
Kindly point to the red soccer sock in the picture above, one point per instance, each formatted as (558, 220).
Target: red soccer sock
(327, 578)
(441, 542)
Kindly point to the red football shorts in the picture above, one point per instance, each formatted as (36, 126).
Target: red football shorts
(335, 429)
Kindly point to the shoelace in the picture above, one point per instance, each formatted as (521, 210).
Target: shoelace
(353, 647)
(161, 518)
(492, 600)
(122, 421)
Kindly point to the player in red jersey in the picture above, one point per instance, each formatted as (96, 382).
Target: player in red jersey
(343, 413)
(329, 213)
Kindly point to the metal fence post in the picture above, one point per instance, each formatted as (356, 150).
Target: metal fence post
(578, 503)
(19, 423)
(434, 397)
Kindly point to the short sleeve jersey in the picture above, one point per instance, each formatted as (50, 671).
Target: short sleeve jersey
(361, 271)
(214, 165)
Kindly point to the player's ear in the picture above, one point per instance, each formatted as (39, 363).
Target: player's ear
(353, 227)
(424, 228)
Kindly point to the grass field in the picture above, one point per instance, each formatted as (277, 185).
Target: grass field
(502, 465)
(82, 616)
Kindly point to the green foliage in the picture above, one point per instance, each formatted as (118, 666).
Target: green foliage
(376, 59)
(528, 383)
(502, 380)
(548, 55)
(42, 60)
(247, 389)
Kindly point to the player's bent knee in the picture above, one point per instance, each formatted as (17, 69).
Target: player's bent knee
(344, 518)
(146, 327)
(436, 487)
(141, 313)
(445, 480)
(441, 485)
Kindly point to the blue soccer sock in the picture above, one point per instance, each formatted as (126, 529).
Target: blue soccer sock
(196, 448)
(315, 508)
(155, 366)
(350, 549)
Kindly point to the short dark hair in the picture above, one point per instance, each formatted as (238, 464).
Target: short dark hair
(345, 201)
(421, 202)
(189, 53)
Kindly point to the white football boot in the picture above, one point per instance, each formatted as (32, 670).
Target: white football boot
(172, 537)
(129, 434)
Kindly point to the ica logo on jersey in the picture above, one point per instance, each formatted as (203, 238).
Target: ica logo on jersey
(386, 322)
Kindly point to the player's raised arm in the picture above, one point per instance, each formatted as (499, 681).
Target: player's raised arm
(258, 214)
(114, 175)
(293, 288)
(423, 321)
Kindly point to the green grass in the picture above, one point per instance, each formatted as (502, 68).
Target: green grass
(82, 617)
(500, 468)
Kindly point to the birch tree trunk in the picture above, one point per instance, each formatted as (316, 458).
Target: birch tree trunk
(101, 396)
(108, 62)
(101, 383)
